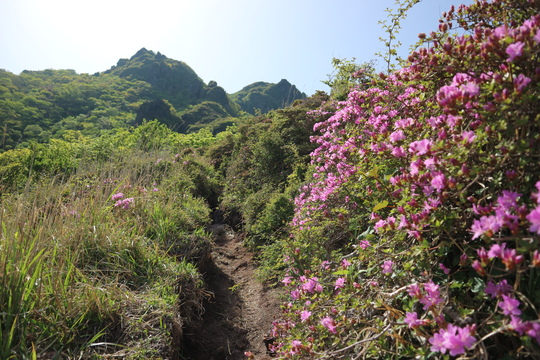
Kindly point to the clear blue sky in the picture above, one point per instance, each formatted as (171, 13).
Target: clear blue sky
(234, 42)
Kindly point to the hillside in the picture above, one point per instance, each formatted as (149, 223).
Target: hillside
(263, 97)
(40, 105)
(396, 218)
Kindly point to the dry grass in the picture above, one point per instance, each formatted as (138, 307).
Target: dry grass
(81, 278)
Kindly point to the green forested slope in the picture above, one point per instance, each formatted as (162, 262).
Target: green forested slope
(36, 106)
(400, 216)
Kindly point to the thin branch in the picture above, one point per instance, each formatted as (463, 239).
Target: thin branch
(375, 337)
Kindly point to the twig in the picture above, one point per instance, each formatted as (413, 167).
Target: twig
(375, 337)
(395, 292)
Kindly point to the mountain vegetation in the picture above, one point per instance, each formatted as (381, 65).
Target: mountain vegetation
(263, 97)
(399, 214)
(37, 106)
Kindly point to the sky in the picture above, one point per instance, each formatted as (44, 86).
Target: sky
(232, 42)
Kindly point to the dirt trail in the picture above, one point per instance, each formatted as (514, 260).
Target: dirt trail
(241, 311)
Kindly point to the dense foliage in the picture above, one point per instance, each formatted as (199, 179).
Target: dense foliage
(36, 106)
(262, 96)
(418, 232)
(400, 213)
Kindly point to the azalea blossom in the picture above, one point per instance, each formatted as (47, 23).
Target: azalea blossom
(340, 283)
(502, 288)
(477, 266)
(124, 203)
(433, 296)
(329, 323)
(453, 339)
(387, 267)
(411, 319)
(312, 285)
(305, 315)
(521, 82)
(117, 196)
(414, 291)
(515, 50)
(445, 270)
(534, 219)
(509, 306)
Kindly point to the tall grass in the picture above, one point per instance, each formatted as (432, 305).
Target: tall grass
(77, 273)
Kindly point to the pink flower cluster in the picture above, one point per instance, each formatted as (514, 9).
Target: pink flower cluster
(121, 202)
(414, 154)
(412, 320)
(453, 339)
(431, 295)
(507, 215)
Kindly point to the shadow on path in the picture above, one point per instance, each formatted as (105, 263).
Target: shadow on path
(239, 313)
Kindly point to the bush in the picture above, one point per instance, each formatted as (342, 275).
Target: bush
(428, 184)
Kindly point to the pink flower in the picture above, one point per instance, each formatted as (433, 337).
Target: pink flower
(510, 258)
(340, 283)
(508, 199)
(416, 166)
(398, 152)
(517, 325)
(312, 285)
(535, 260)
(453, 339)
(534, 331)
(521, 82)
(503, 288)
(125, 203)
(439, 182)
(117, 196)
(463, 259)
(325, 265)
(470, 89)
(496, 250)
(483, 256)
(477, 266)
(329, 323)
(387, 267)
(433, 296)
(468, 136)
(420, 147)
(305, 315)
(487, 225)
(534, 219)
(509, 306)
(414, 291)
(412, 320)
(515, 50)
(444, 269)
(364, 244)
(397, 135)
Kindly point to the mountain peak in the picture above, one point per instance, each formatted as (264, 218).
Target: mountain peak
(265, 96)
(141, 52)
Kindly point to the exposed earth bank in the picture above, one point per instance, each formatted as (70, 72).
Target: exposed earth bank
(239, 311)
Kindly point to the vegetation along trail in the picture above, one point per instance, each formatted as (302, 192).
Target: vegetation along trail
(239, 312)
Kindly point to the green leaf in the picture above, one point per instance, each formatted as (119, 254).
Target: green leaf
(477, 285)
(380, 206)
(373, 172)
(341, 272)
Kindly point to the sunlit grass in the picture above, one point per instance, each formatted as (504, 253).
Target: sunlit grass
(81, 277)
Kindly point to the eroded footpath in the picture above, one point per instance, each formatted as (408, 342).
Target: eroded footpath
(240, 311)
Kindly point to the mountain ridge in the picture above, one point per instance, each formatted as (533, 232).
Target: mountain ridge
(38, 105)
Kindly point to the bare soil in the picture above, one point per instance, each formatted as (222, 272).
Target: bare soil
(239, 313)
